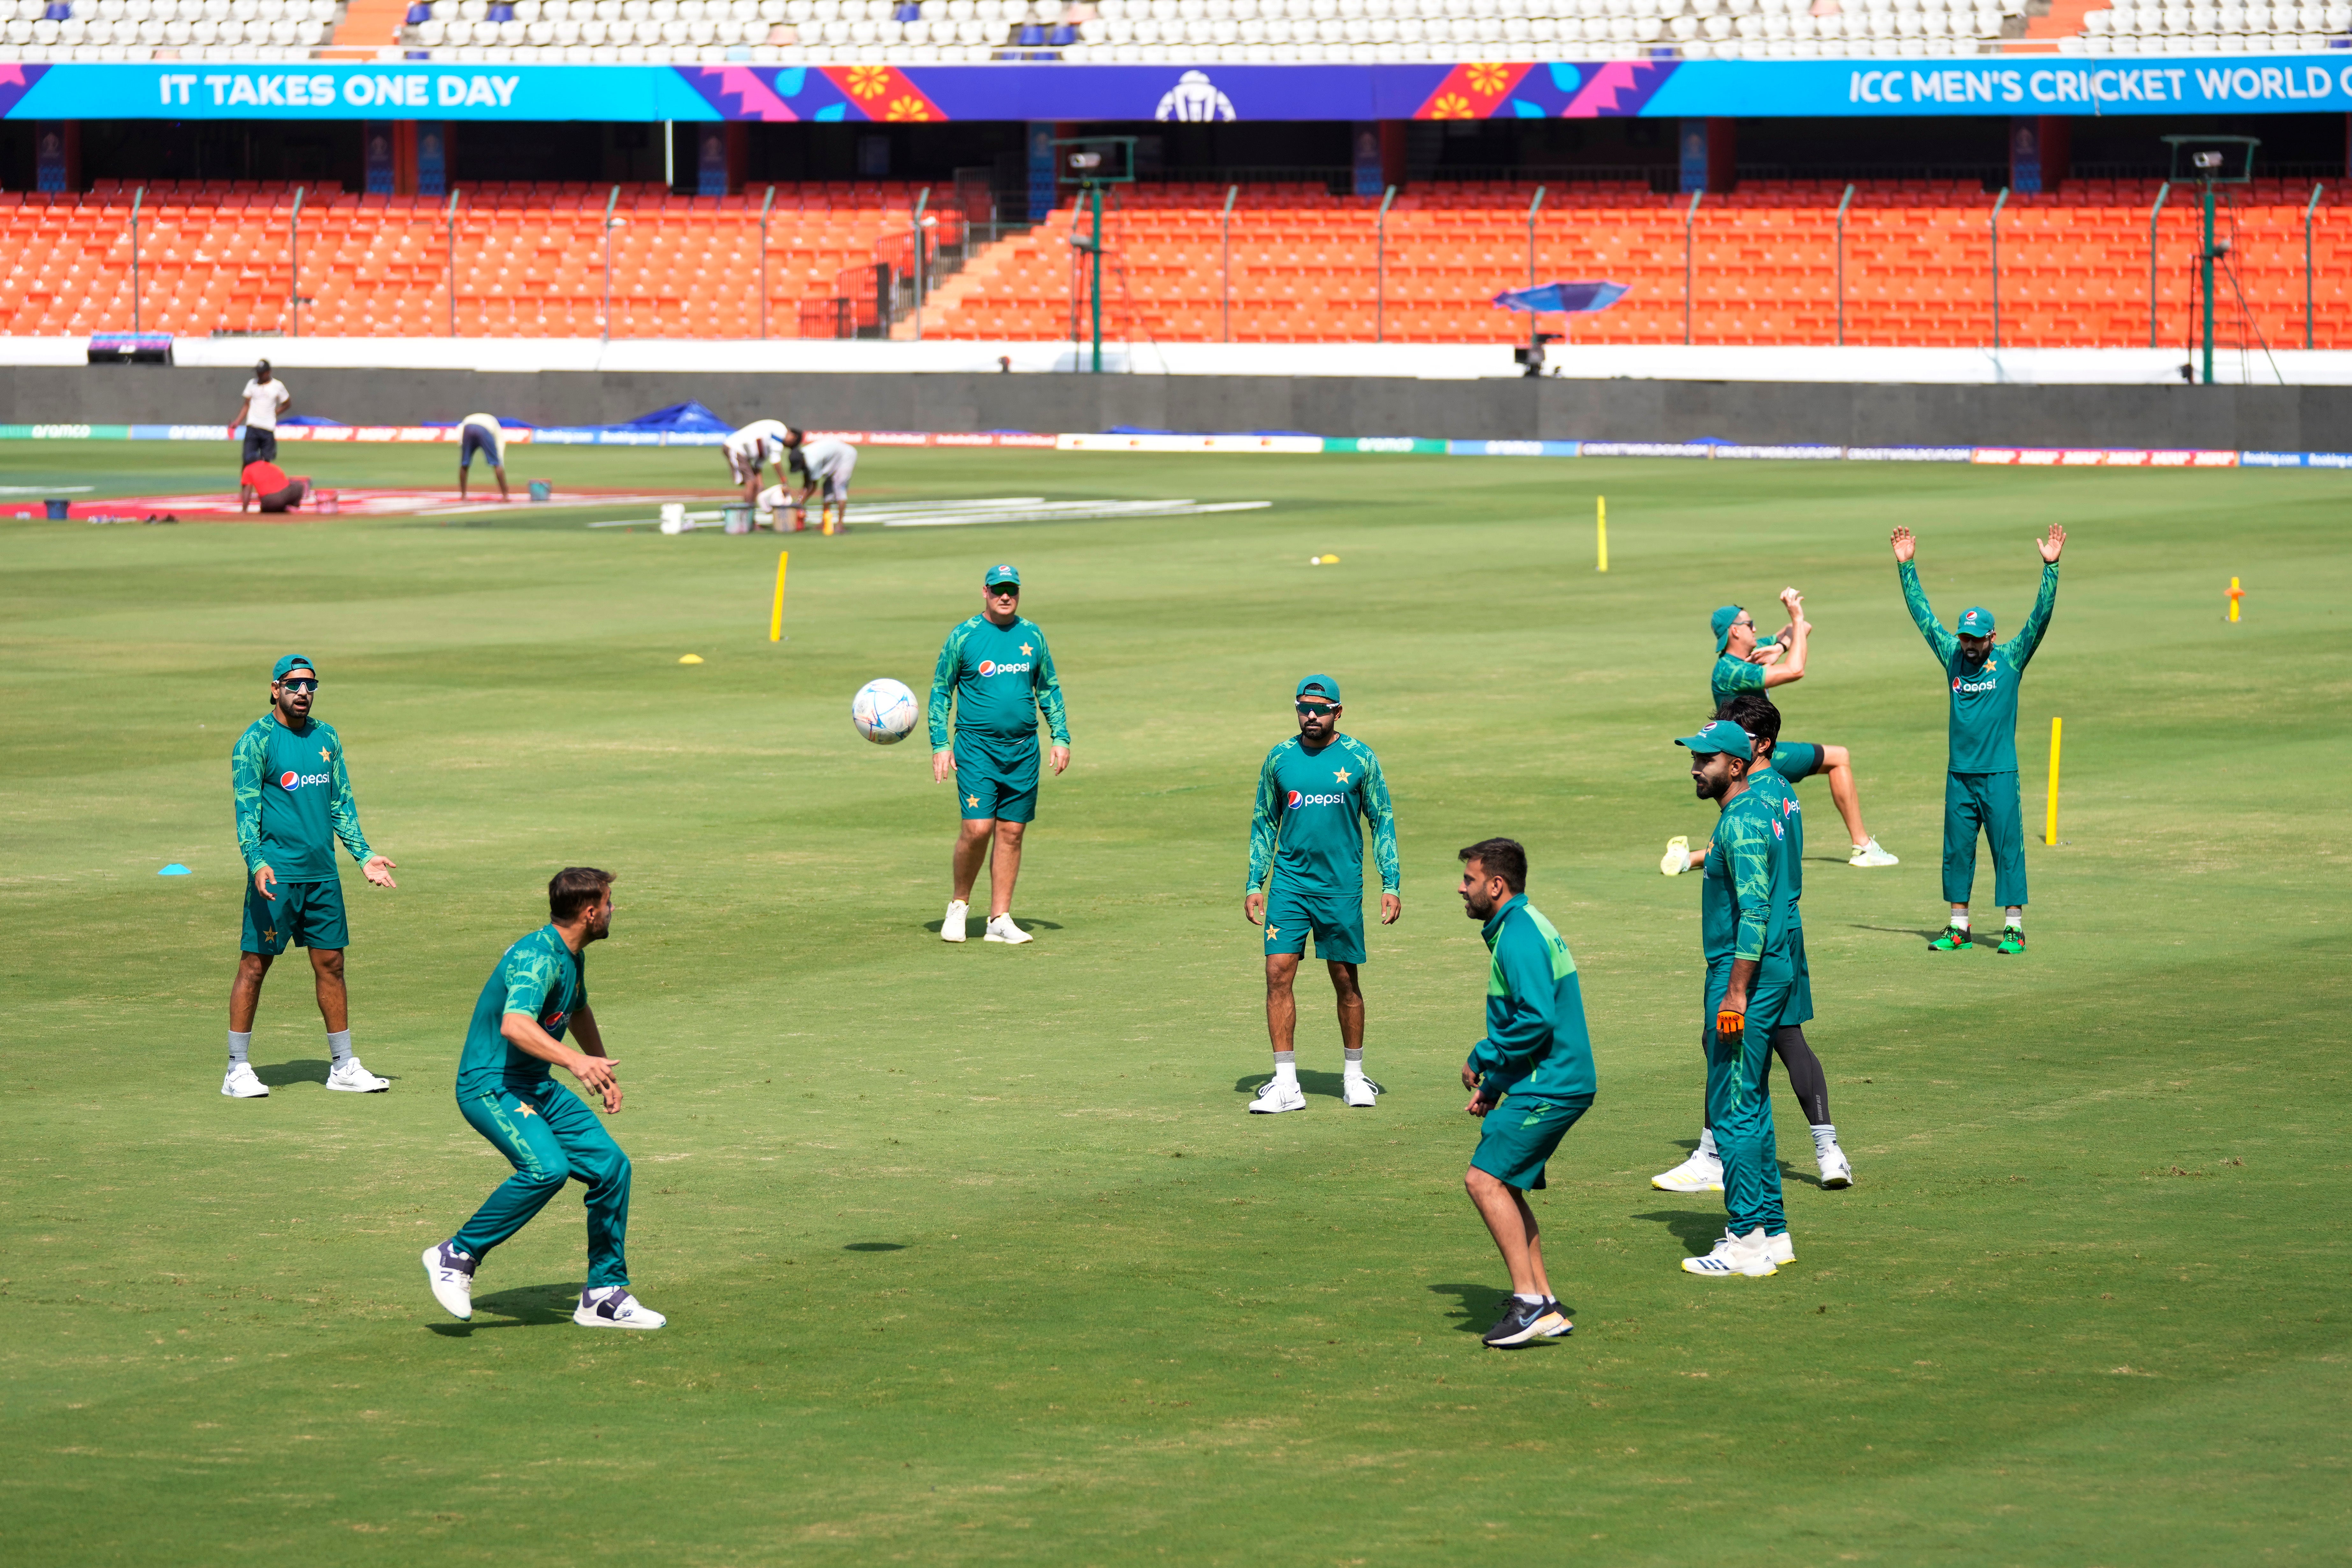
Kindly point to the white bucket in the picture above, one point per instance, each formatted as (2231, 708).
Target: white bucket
(672, 517)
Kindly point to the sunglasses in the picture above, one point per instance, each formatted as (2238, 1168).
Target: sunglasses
(1005, 591)
(1318, 709)
(311, 685)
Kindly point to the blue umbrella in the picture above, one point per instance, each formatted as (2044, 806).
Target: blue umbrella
(1564, 298)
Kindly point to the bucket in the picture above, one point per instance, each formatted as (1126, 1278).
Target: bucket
(56, 508)
(737, 517)
(542, 490)
(330, 502)
(672, 517)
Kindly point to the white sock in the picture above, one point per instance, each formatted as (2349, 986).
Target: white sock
(1530, 1301)
(1285, 1068)
(1355, 1068)
(1961, 918)
(339, 1045)
(958, 904)
(1706, 1144)
(2015, 918)
(1824, 1136)
(238, 1045)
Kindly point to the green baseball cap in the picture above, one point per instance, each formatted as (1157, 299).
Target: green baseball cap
(1321, 685)
(291, 663)
(1977, 622)
(1720, 623)
(1000, 574)
(1720, 736)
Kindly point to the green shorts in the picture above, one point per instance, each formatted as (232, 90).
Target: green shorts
(1337, 924)
(989, 787)
(1518, 1135)
(306, 914)
(1794, 760)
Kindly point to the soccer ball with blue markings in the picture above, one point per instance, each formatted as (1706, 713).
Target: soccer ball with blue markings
(884, 712)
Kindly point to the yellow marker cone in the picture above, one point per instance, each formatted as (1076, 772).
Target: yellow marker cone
(1602, 526)
(2236, 594)
(776, 616)
(2050, 831)
(690, 659)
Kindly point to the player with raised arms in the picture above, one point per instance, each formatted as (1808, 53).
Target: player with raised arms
(1753, 982)
(293, 801)
(1311, 790)
(997, 672)
(1703, 1171)
(538, 992)
(1742, 664)
(1531, 1079)
(1980, 776)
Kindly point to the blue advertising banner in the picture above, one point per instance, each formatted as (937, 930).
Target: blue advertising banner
(1659, 88)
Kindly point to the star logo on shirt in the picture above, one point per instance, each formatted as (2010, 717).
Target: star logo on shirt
(1342, 774)
(325, 755)
(1992, 665)
(1025, 651)
(522, 1107)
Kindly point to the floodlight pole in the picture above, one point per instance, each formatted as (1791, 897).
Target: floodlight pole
(2308, 210)
(764, 206)
(1535, 321)
(921, 202)
(1690, 215)
(450, 221)
(2206, 270)
(610, 203)
(1843, 202)
(294, 259)
(1993, 224)
(1381, 269)
(140, 196)
(2153, 213)
(1233, 192)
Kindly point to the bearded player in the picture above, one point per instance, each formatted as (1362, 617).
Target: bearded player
(1310, 793)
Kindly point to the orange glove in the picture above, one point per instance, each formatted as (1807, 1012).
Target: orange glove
(1728, 1027)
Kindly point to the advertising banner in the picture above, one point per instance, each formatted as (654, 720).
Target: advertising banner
(1988, 85)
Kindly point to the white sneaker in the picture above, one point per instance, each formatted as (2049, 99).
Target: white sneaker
(952, 927)
(1277, 1096)
(612, 1307)
(1001, 928)
(1780, 1250)
(451, 1275)
(353, 1079)
(1677, 857)
(243, 1084)
(1869, 854)
(1359, 1091)
(1836, 1171)
(1748, 1256)
(1698, 1173)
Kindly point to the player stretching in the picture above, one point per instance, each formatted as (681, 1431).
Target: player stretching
(1755, 980)
(1703, 1171)
(293, 801)
(757, 446)
(539, 991)
(1742, 664)
(1529, 1078)
(997, 669)
(1981, 783)
(1310, 791)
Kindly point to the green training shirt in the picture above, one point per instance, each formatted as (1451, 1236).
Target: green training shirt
(1305, 824)
(1732, 677)
(1783, 796)
(1984, 697)
(1743, 908)
(293, 800)
(540, 977)
(998, 677)
(1536, 1041)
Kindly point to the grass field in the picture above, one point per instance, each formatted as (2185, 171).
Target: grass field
(970, 1254)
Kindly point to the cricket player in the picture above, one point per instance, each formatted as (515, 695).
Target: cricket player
(481, 433)
(1981, 783)
(758, 446)
(536, 993)
(1753, 980)
(825, 467)
(1310, 791)
(1742, 664)
(293, 801)
(1703, 1171)
(996, 671)
(1529, 1079)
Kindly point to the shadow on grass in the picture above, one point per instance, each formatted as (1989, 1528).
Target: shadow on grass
(874, 1246)
(973, 924)
(1310, 1081)
(523, 1306)
(1479, 1307)
(1902, 930)
(279, 1074)
(1697, 1230)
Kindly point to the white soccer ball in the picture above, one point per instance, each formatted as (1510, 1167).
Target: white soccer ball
(884, 712)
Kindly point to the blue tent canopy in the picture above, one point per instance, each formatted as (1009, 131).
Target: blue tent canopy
(685, 416)
(1562, 298)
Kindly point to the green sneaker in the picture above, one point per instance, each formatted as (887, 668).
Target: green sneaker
(1953, 938)
(2013, 940)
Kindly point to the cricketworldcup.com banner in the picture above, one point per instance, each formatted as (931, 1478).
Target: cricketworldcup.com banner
(1658, 88)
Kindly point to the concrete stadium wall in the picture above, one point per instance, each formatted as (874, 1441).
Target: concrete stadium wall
(2288, 418)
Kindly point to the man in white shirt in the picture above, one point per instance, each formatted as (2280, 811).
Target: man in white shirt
(480, 433)
(757, 445)
(265, 400)
(825, 466)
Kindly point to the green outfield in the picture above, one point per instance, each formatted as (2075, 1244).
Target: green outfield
(970, 1254)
